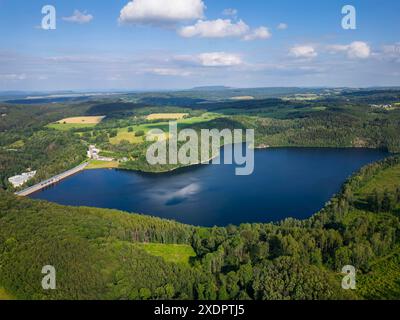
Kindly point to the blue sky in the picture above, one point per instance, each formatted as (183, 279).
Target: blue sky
(174, 44)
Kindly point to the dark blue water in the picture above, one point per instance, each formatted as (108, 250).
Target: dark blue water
(285, 183)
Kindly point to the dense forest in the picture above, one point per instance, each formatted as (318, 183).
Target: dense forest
(102, 259)
(346, 118)
(105, 253)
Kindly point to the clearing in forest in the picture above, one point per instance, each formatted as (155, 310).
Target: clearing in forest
(242, 98)
(82, 120)
(176, 253)
(166, 116)
(76, 123)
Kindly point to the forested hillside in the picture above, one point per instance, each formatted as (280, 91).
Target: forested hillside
(100, 253)
(31, 139)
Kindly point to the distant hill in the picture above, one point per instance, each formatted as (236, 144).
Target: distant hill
(211, 88)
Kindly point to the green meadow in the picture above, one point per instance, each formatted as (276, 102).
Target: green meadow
(123, 134)
(388, 179)
(176, 253)
(4, 295)
(70, 126)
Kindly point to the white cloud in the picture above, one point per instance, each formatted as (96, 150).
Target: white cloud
(392, 49)
(355, 50)
(219, 59)
(13, 76)
(303, 52)
(230, 12)
(215, 29)
(259, 33)
(170, 72)
(282, 26)
(224, 28)
(79, 17)
(161, 11)
(391, 52)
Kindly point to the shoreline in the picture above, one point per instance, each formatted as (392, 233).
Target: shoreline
(354, 174)
(259, 147)
(51, 181)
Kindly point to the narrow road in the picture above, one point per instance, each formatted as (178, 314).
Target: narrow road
(51, 181)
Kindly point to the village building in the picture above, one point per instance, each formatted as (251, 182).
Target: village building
(20, 180)
(94, 154)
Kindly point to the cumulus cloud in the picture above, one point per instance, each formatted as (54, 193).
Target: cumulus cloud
(355, 50)
(282, 26)
(259, 33)
(224, 28)
(303, 52)
(79, 17)
(219, 28)
(219, 59)
(161, 11)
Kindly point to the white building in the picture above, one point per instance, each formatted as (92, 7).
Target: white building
(20, 180)
(94, 154)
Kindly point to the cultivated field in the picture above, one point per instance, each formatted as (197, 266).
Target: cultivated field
(242, 98)
(166, 116)
(82, 120)
(76, 122)
(124, 134)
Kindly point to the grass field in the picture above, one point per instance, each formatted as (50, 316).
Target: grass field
(242, 98)
(123, 133)
(383, 281)
(82, 120)
(96, 164)
(76, 122)
(388, 179)
(319, 108)
(166, 116)
(4, 295)
(17, 144)
(175, 253)
(69, 126)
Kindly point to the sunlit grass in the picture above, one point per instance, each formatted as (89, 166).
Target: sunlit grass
(69, 126)
(388, 179)
(96, 164)
(123, 134)
(175, 253)
(383, 281)
(4, 295)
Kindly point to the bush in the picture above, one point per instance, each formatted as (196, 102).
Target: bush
(139, 133)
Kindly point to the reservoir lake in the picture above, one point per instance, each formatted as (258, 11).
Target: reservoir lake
(287, 182)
